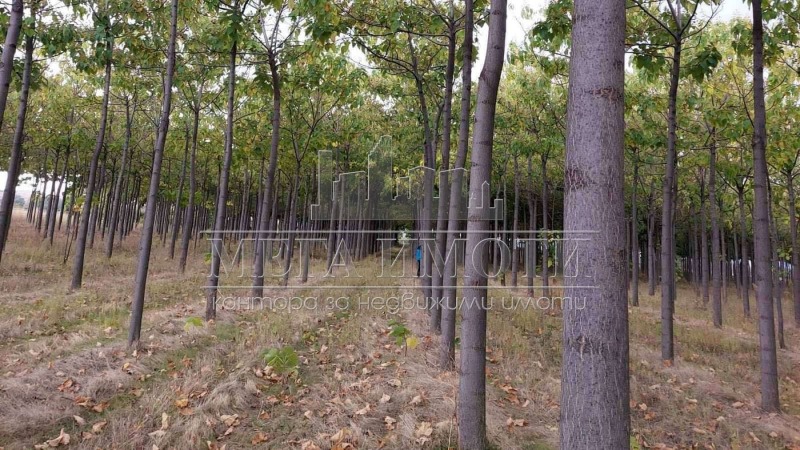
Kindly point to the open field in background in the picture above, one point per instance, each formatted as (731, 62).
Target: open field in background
(65, 365)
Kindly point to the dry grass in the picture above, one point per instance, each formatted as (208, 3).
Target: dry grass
(200, 377)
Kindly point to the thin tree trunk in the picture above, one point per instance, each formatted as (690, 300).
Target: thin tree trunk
(795, 248)
(9, 50)
(15, 162)
(188, 219)
(267, 198)
(450, 278)
(716, 258)
(444, 180)
(635, 239)
(222, 194)
(472, 382)
(83, 227)
(176, 222)
(146, 243)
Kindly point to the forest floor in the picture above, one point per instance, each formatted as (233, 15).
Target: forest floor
(66, 368)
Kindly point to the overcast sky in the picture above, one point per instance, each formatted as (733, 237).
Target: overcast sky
(516, 30)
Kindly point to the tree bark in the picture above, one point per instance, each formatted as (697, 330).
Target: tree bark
(595, 410)
(766, 320)
(9, 50)
(795, 248)
(634, 239)
(15, 162)
(83, 227)
(146, 243)
(667, 237)
(267, 199)
(472, 383)
(716, 258)
(450, 279)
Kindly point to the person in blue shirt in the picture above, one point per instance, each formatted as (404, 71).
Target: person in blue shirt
(418, 257)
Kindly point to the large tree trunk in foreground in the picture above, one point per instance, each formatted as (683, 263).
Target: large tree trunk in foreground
(15, 162)
(146, 243)
(763, 275)
(83, 227)
(450, 278)
(472, 383)
(595, 412)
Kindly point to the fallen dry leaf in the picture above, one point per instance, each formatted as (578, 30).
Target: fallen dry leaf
(182, 403)
(309, 445)
(511, 422)
(79, 420)
(385, 399)
(389, 421)
(62, 439)
(363, 411)
(98, 427)
(259, 438)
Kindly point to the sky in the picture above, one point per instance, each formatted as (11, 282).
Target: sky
(516, 30)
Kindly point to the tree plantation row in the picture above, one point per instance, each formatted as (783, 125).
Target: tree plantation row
(651, 138)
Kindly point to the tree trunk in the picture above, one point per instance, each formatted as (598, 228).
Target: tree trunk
(218, 232)
(444, 179)
(450, 278)
(595, 410)
(83, 227)
(745, 261)
(515, 226)
(635, 239)
(15, 162)
(766, 320)
(472, 383)
(667, 257)
(795, 248)
(716, 259)
(176, 222)
(188, 219)
(146, 243)
(9, 50)
(264, 227)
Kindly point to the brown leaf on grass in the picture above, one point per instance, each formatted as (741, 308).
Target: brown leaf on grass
(423, 432)
(100, 407)
(363, 411)
(98, 427)
(737, 405)
(754, 437)
(309, 445)
(417, 400)
(308, 414)
(79, 420)
(230, 420)
(341, 435)
(389, 421)
(164, 421)
(385, 398)
(186, 412)
(259, 437)
(61, 439)
(511, 422)
(67, 385)
(182, 403)
(394, 382)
